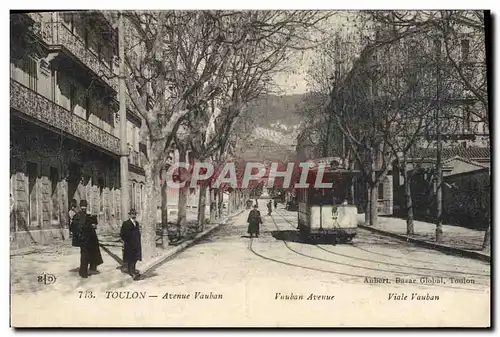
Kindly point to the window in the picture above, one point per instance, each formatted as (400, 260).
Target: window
(86, 36)
(141, 198)
(100, 184)
(131, 195)
(32, 169)
(465, 50)
(467, 119)
(100, 50)
(137, 138)
(54, 181)
(321, 197)
(87, 107)
(381, 191)
(72, 97)
(68, 20)
(30, 67)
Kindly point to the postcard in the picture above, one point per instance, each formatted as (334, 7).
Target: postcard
(261, 168)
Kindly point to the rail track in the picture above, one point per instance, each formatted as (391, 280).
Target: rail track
(412, 270)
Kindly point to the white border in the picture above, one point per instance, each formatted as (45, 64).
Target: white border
(190, 4)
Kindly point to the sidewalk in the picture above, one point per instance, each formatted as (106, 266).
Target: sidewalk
(458, 240)
(62, 261)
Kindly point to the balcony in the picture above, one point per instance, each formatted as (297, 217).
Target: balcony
(36, 106)
(55, 35)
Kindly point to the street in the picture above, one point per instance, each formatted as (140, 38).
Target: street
(230, 279)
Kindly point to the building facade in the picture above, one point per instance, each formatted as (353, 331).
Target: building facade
(64, 125)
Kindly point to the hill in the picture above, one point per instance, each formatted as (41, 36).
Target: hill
(275, 126)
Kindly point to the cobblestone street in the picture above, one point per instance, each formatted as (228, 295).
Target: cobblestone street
(271, 271)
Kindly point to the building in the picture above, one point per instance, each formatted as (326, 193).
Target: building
(463, 121)
(64, 125)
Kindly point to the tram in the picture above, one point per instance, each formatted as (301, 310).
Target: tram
(325, 212)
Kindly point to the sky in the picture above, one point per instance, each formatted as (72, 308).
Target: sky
(295, 82)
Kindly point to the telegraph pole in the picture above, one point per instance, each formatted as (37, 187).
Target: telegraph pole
(123, 121)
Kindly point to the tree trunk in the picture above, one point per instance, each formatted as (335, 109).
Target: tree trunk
(220, 205)
(181, 221)
(164, 213)
(487, 237)
(373, 205)
(230, 203)
(202, 201)
(149, 219)
(183, 195)
(410, 230)
(351, 196)
(212, 206)
(367, 204)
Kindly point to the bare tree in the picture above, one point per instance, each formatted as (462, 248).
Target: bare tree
(173, 60)
(463, 35)
(259, 43)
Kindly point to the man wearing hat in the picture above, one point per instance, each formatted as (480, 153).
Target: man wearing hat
(132, 249)
(90, 253)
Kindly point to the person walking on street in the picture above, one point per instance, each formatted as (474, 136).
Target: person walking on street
(269, 207)
(132, 249)
(275, 204)
(254, 220)
(90, 253)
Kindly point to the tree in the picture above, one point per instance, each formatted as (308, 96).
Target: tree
(172, 73)
(463, 35)
(259, 42)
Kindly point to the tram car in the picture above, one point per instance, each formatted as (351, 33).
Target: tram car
(324, 213)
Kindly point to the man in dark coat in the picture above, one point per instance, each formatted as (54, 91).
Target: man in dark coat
(90, 253)
(132, 249)
(254, 220)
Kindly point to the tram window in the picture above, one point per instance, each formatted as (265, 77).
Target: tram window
(321, 197)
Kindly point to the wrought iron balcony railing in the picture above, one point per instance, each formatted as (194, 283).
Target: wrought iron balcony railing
(57, 34)
(37, 106)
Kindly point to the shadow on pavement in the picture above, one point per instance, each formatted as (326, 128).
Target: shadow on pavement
(113, 255)
(286, 235)
(293, 236)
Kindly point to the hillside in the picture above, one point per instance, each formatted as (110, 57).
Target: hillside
(275, 127)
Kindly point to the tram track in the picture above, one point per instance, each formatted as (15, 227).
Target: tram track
(389, 263)
(353, 266)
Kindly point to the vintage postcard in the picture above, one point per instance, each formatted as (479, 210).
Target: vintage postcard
(229, 168)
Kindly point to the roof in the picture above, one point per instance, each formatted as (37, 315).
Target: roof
(458, 151)
(466, 160)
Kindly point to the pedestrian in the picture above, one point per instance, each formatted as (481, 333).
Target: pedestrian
(275, 204)
(254, 220)
(90, 253)
(132, 249)
(269, 207)
(73, 232)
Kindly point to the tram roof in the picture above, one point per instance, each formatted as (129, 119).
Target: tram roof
(334, 171)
